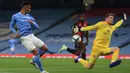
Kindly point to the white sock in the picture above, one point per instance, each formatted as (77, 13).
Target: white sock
(66, 48)
(79, 59)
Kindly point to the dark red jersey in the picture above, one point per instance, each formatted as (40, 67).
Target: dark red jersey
(80, 24)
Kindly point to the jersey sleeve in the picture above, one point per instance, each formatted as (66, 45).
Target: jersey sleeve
(15, 41)
(34, 23)
(93, 27)
(85, 24)
(118, 24)
(12, 23)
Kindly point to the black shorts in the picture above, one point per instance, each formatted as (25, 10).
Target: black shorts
(78, 47)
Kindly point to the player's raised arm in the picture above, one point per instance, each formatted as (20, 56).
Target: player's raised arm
(36, 25)
(88, 28)
(118, 24)
(12, 23)
(33, 22)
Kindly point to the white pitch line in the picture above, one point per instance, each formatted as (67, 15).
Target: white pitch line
(101, 66)
(7, 72)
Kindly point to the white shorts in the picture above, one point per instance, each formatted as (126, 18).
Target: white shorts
(12, 49)
(31, 42)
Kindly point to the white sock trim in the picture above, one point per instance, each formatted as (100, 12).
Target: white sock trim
(66, 48)
(79, 59)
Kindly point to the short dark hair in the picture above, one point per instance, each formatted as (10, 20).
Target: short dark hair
(82, 15)
(25, 3)
(110, 14)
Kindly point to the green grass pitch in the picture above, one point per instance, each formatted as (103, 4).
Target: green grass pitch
(22, 65)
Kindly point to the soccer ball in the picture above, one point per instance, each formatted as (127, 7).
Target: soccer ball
(76, 38)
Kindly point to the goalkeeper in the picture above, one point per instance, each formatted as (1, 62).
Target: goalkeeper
(104, 31)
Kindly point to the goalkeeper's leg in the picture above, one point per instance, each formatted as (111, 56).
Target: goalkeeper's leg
(92, 60)
(115, 61)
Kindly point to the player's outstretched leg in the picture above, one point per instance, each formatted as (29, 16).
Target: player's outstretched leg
(36, 60)
(83, 53)
(92, 60)
(115, 61)
(76, 52)
(85, 63)
(65, 48)
(41, 52)
(33, 63)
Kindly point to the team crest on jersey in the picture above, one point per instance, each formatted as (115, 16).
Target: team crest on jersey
(108, 31)
(25, 17)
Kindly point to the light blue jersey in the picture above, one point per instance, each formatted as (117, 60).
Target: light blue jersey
(22, 23)
(25, 30)
(12, 43)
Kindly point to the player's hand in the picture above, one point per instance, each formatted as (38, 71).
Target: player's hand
(124, 16)
(17, 35)
(75, 29)
(30, 21)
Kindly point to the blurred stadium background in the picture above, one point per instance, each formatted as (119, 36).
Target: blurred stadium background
(55, 18)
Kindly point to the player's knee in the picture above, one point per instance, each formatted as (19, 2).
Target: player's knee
(34, 52)
(89, 66)
(117, 49)
(44, 48)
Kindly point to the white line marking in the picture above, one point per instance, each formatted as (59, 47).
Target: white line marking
(56, 67)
